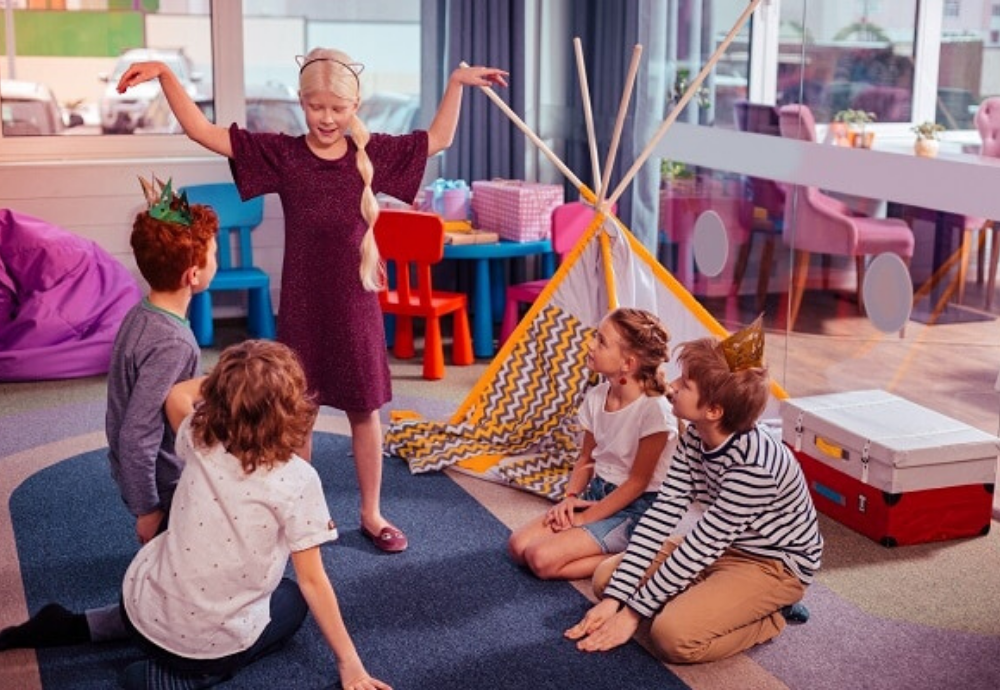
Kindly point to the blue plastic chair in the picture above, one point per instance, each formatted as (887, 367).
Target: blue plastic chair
(235, 272)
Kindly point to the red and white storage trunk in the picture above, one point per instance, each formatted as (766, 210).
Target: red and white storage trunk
(890, 469)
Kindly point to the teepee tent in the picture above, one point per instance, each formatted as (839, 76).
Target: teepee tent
(518, 424)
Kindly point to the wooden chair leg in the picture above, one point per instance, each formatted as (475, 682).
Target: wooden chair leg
(963, 263)
(433, 349)
(981, 253)
(764, 272)
(742, 261)
(800, 274)
(991, 283)
(859, 270)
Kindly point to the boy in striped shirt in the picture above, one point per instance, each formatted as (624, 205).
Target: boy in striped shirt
(732, 581)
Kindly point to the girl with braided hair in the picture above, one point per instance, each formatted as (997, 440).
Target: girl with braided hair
(629, 435)
(327, 180)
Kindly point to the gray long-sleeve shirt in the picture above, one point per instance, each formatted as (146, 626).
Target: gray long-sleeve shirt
(153, 351)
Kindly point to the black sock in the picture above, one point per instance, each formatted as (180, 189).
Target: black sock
(796, 614)
(52, 626)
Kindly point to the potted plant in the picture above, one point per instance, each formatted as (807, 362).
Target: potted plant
(678, 176)
(926, 144)
(857, 122)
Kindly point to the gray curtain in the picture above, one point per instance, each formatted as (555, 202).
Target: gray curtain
(608, 32)
(485, 32)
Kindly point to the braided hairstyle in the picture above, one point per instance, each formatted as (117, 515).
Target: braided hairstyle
(648, 341)
(335, 72)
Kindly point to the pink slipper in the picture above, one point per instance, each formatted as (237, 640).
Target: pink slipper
(390, 539)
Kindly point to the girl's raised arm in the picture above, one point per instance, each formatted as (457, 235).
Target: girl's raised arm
(442, 130)
(192, 120)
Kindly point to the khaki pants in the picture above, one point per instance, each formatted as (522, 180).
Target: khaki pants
(731, 606)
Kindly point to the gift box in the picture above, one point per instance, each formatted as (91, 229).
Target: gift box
(515, 210)
(447, 198)
(890, 469)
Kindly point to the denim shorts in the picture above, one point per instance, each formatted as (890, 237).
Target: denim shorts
(612, 533)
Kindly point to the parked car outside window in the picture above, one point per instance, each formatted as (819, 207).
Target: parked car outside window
(271, 107)
(120, 112)
(30, 109)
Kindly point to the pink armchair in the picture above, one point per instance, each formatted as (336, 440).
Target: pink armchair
(988, 123)
(816, 223)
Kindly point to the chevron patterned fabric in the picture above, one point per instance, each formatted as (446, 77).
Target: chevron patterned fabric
(526, 415)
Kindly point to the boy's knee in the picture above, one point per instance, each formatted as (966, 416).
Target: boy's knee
(674, 643)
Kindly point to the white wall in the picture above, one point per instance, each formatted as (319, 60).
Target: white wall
(98, 200)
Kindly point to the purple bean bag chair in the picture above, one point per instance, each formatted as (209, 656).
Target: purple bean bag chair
(62, 299)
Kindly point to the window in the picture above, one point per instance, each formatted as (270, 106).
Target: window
(81, 73)
(384, 37)
(848, 56)
(695, 29)
(952, 8)
(78, 56)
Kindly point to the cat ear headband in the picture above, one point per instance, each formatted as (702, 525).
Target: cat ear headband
(355, 68)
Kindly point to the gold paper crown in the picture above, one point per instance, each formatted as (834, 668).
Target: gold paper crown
(745, 348)
(164, 204)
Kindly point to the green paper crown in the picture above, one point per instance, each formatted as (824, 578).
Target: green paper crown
(164, 204)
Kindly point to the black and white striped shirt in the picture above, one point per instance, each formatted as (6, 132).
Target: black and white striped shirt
(755, 499)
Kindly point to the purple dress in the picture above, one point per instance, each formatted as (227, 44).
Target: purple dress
(326, 316)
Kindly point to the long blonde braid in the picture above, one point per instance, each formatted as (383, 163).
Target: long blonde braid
(335, 71)
(372, 270)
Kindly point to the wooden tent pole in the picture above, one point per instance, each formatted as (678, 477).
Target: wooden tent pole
(633, 69)
(588, 114)
(493, 96)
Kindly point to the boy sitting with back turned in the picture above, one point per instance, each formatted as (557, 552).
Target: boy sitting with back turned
(731, 582)
(174, 247)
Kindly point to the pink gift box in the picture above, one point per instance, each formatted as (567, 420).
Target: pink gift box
(515, 210)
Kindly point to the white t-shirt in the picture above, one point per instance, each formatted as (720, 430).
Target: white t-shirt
(617, 433)
(202, 589)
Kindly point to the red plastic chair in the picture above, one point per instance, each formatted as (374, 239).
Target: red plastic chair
(413, 237)
(569, 222)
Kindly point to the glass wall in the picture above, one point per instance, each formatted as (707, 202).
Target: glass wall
(890, 309)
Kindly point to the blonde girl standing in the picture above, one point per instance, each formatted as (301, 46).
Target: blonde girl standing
(327, 180)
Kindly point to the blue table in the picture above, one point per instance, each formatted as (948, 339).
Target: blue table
(488, 288)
